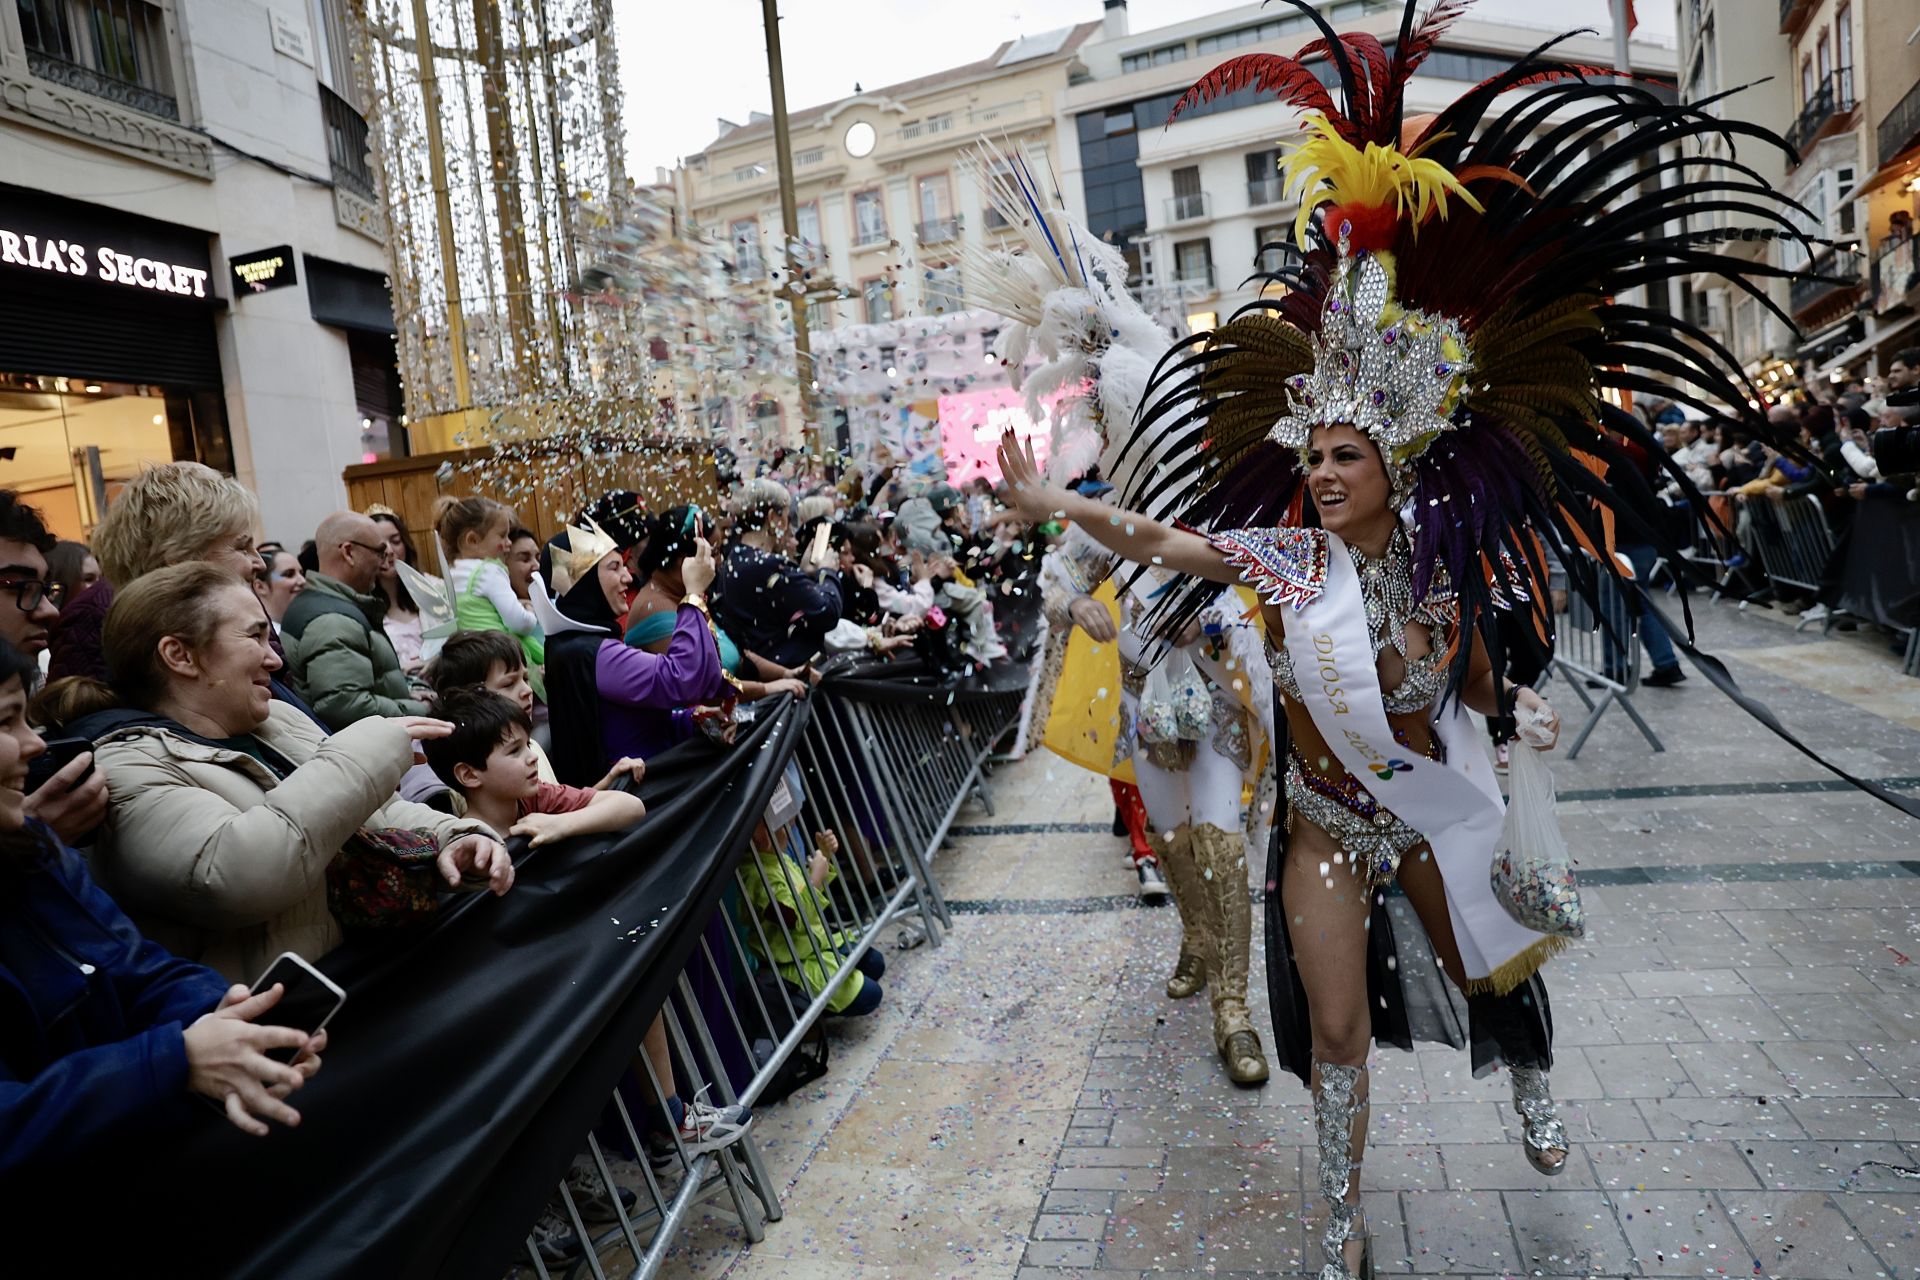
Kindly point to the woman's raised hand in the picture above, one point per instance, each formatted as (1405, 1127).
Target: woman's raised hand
(1027, 489)
(697, 571)
(420, 728)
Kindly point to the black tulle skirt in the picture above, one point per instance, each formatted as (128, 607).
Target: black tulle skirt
(1410, 999)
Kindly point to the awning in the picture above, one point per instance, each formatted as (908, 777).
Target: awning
(1868, 344)
(1904, 165)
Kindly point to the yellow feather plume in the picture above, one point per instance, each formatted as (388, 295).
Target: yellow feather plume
(1326, 167)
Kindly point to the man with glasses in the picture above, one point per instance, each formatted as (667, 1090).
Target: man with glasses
(74, 800)
(338, 654)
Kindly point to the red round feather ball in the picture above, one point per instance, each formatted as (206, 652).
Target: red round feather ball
(1371, 227)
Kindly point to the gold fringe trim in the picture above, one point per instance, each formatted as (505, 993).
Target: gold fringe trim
(1517, 970)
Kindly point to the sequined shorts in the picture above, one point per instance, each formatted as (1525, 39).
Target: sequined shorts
(1371, 840)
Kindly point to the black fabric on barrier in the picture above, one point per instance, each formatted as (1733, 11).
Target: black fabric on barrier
(465, 1068)
(1880, 580)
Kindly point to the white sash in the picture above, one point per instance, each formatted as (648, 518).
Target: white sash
(1455, 805)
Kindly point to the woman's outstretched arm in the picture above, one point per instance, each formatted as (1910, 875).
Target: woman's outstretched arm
(1128, 534)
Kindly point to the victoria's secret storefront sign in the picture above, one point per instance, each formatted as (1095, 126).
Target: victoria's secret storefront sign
(68, 239)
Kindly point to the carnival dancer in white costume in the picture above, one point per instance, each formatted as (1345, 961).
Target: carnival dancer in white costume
(1193, 718)
(1429, 377)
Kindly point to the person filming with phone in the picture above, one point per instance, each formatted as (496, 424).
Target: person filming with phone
(768, 603)
(109, 1033)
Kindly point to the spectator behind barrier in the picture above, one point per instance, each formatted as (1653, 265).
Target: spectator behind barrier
(769, 604)
(604, 695)
(282, 580)
(338, 653)
(794, 935)
(475, 534)
(523, 560)
(74, 800)
(402, 623)
(227, 805)
(106, 1033)
(654, 610)
(487, 759)
(33, 599)
(491, 661)
(72, 568)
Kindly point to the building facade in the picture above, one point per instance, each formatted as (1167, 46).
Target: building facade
(1854, 69)
(1722, 51)
(1194, 201)
(884, 205)
(191, 261)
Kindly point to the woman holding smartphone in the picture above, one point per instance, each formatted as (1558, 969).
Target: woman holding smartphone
(109, 1032)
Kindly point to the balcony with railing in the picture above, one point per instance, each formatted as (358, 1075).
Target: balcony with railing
(1896, 275)
(113, 49)
(1832, 99)
(1190, 207)
(1900, 128)
(1194, 282)
(346, 144)
(1264, 191)
(938, 230)
(1824, 279)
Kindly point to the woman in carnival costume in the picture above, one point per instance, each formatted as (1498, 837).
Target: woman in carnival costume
(1193, 722)
(1429, 378)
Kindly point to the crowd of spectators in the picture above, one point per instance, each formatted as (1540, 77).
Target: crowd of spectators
(239, 723)
(1834, 470)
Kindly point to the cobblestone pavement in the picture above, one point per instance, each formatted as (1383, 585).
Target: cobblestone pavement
(1738, 1046)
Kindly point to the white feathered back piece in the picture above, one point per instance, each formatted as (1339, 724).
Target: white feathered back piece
(1065, 292)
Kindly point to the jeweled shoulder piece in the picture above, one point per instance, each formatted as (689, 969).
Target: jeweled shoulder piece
(1391, 372)
(1283, 566)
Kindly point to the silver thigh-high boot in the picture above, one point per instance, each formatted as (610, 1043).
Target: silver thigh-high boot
(1545, 1139)
(1339, 1102)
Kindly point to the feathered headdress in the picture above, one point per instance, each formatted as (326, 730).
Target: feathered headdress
(1065, 292)
(1453, 290)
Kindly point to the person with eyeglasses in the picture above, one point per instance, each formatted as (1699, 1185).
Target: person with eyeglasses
(338, 653)
(73, 801)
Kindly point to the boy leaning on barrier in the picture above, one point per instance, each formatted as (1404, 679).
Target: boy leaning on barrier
(487, 762)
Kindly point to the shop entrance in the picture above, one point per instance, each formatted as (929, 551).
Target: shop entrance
(67, 445)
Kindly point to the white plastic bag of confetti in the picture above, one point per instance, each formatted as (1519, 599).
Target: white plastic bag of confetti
(1532, 870)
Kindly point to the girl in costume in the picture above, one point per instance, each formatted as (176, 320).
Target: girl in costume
(476, 535)
(1428, 377)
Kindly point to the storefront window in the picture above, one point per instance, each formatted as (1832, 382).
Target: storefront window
(69, 444)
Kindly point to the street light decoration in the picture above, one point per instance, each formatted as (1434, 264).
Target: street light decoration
(514, 236)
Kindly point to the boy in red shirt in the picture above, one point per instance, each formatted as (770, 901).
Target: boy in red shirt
(486, 759)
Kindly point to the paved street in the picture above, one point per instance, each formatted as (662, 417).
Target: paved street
(1738, 1042)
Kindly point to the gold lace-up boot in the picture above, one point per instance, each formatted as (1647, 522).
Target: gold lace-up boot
(1175, 851)
(1220, 865)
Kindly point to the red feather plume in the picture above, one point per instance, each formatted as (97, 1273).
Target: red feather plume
(1373, 68)
(1267, 73)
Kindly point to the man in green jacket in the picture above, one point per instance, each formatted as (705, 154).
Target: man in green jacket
(338, 654)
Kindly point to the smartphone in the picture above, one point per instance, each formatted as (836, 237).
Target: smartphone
(818, 555)
(59, 753)
(309, 1002)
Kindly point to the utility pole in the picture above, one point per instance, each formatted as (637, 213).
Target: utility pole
(789, 216)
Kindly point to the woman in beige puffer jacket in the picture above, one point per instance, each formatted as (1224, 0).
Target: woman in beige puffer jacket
(226, 805)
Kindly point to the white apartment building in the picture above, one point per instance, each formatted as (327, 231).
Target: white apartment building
(191, 261)
(1194, 201)
(1722, 49)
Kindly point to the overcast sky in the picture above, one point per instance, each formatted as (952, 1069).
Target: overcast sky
(686, 63)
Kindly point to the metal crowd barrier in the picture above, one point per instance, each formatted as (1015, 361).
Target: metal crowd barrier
(885, 768)
(1596, 646)
(1792, 540)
